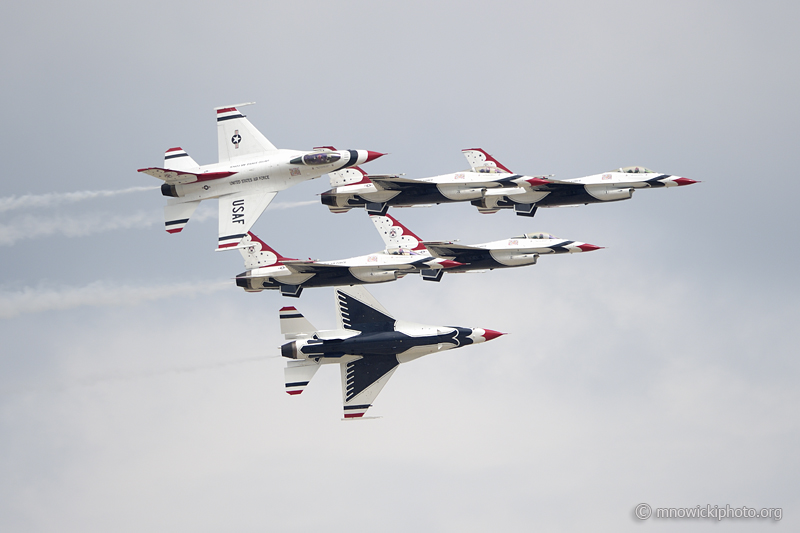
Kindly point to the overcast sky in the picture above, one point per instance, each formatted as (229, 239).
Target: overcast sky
(140, 390)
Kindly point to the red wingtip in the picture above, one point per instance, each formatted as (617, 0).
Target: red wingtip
(371, 156)
(684, 181)
(291, 308)
(490, 334)
(448, 263)
(589, 247)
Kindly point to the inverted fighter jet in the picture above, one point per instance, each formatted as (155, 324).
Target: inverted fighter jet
(489, 186)
(250, 172)
(405, 254)
(368, 345)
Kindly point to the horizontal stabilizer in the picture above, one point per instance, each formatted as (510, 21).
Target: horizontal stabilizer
(176, 216)
(294, 325)
(348, 176)
(298, 374)
(178, 159)
(178, 177)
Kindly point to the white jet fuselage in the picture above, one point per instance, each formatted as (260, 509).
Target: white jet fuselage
(272, 172)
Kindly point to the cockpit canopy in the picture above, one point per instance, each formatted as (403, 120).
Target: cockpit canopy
(319, 158)
(489, 169)
(537, 235)
(634, 170)
(401, 251)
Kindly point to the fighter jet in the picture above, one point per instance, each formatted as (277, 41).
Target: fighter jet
(405, 254)
(368, 345)
(489, 186)
(267, 269)
(250, 172)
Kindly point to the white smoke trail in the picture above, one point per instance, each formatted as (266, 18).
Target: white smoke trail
(289, 205)
(31, 227)
(91, 381)
(98, 294)
(53, 199)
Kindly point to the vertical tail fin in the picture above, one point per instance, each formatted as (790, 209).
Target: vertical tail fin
(480, 161)
(259, 254)
(236, 136)
(395, 235)
(178, 159)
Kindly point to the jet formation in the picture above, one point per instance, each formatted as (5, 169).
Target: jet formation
(405, 253)
(368, 345)
(489, 186)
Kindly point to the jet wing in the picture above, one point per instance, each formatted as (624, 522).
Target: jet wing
(363, 380)
(546, 184)
(395, 183)
(237, 214)
(357, 309)
(457, 252)
(312, 267)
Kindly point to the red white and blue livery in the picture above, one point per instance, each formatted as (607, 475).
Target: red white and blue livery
(250, 172)
(368, 345)
(405, 253)
(489, 186)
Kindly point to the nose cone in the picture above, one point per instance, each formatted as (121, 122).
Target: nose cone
(489, 334)
(371, 156)
(589, 247)
(448, 263)
(684, 181)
